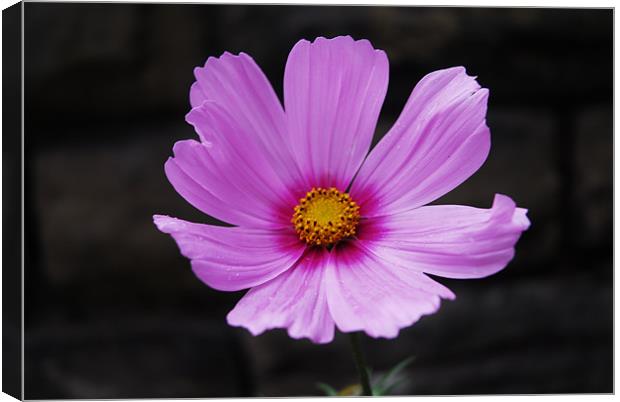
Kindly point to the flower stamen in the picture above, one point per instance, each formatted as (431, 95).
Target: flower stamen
(325, 216)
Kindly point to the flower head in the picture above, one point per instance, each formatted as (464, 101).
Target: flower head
(326, 234)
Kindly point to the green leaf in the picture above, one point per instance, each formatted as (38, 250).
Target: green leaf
(329, 391)
(390, 379)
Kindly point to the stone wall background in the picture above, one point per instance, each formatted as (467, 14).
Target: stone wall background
(113, 310)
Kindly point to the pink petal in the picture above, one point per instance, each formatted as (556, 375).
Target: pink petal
(227, 175)
(239, 87)
(452, 241)
(439, 140)
(295, 300)
(368, 294)
(333, 92)
(234, 258)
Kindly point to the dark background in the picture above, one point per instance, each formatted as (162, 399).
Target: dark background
(112, 308)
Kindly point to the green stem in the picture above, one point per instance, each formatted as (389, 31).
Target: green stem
(362, 369)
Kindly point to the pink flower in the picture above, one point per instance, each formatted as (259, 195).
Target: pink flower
(313, 256)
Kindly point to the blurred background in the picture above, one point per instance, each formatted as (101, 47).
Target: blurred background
(113, 310)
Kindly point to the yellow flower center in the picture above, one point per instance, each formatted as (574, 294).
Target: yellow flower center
(325, 216)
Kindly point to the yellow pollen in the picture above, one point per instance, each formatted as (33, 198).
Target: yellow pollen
(325, 216)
